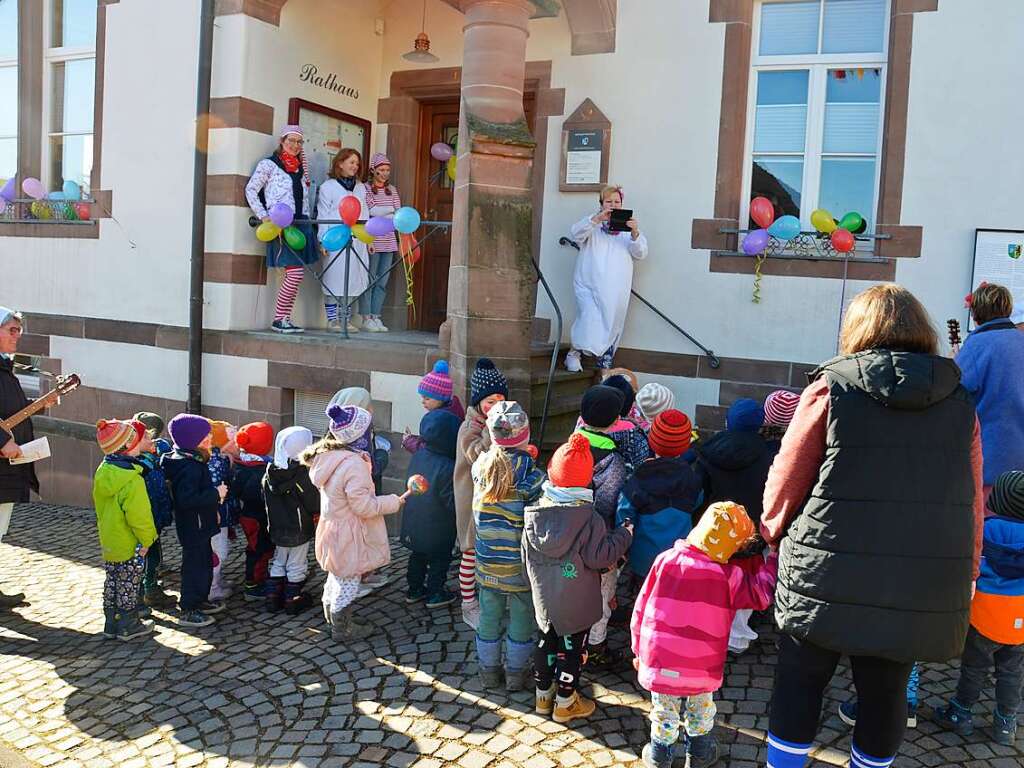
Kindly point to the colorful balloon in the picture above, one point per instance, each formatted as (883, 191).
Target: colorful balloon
(851, 221)
(72, 191)
(785, 228)
(282, 214)
(10, 189)
(359, 233)
(842, 240)
(823, 221)
(417, 484)
(441, 151)
(755, 242)
(265, 232)
(762, 212)
(337, 237)
(55, 195)
(41, 210)
(33, 188)
(83, 211)
(407, 220)
(349, 209)
(452, 167)
(378, 226)
(295, 238)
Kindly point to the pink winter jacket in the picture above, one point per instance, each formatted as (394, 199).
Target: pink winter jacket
(681, 619)
(351, 538)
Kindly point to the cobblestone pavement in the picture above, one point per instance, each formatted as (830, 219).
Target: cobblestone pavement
(263, 689)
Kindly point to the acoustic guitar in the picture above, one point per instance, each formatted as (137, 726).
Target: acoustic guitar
(64, 385)
(954, 336)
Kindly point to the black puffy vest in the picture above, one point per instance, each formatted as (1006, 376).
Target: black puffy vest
(879, 561)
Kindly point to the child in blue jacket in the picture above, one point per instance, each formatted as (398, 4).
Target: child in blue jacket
(152, 448)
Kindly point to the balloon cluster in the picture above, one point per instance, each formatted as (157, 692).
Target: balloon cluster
(405, 220)
(65, 202)
(280, 225)
(840, 232)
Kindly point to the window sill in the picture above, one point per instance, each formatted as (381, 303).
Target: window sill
(88, 230)
(856, 268)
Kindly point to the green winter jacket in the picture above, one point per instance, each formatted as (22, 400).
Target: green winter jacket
(123, 515)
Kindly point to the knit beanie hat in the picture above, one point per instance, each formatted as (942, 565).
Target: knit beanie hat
(1007, 497)
(670, 433)
(653, 398)
(572, 465)
(291, 441)
(356, 396)
(379, 158)
(508, 424)
(779, 408)
(153, 423)
(188, 430)
(117, 436)
(601, 406)
(437, 384)
(621, 383)
(221, 433)
(745, 415)
(486, 380)
(256, 438)
(722, 530)
(348, 422)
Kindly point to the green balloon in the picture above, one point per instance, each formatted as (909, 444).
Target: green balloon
(851, 221)
(295, 239)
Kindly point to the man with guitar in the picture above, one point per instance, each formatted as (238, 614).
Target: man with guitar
(16, 480)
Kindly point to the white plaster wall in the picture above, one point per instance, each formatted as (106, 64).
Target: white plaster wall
(400, 390)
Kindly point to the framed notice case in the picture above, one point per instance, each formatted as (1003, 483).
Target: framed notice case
(999, 258)
(586, 143)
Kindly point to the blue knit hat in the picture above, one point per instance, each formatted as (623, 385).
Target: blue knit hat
(486, 380)
(745, 415)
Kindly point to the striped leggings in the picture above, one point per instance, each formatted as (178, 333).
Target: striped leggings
(287, 292)
(467, 576)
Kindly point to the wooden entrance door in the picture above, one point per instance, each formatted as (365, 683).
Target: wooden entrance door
(439, 121)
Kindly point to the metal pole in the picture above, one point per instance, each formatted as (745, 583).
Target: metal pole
(196, 267)
(344, 308)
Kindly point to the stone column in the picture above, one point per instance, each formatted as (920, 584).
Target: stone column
(491, 284)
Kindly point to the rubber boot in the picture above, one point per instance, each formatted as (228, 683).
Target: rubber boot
(488, 657)
(518, 666)
(109, 623)
(701, 751)
(344, 630)
(274, 593)
(295, 600)
(657, 755)
(129, 626)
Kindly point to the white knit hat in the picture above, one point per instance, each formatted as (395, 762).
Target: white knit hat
(653, 398)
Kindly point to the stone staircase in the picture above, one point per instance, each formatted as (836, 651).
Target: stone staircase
(566, 392)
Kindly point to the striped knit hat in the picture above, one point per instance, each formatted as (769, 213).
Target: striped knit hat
(508, 424)
(779, 408)
(653, 398)
(670, 433)
(486, 380)
(379, 158)
(437, 384)
(1007, 497)
(117, 436)
(348, 422)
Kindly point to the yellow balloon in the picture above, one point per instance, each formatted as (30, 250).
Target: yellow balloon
(453, 162)
(267, 231)
(823, 221)
(41, 210)
(359, 233)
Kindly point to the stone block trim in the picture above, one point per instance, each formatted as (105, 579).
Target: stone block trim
(240, 112)
(263, 10)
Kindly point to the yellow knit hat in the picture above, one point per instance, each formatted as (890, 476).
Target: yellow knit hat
(723, 529)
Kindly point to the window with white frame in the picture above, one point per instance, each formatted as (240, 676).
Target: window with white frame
(8, 88)
(70, 79)
(815, 116)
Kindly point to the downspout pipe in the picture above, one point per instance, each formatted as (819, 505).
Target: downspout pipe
(197, 264)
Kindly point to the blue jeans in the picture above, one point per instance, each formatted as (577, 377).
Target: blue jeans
(494, 604)
(372, 300)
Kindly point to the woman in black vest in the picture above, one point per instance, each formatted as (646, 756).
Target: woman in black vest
(875, 504)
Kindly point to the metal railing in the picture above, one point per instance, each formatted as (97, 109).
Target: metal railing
(26, 210)
(554, 352)
(713, 360)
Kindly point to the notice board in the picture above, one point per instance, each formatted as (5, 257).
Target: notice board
(999, 258)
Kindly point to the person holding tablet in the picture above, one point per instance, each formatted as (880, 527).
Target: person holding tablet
(610, 241)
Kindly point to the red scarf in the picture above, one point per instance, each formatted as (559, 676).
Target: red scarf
(290, 162)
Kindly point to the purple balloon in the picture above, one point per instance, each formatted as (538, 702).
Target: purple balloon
(10, 190)
(34, 188)
(441, 151)
(378, 226)
(755, 242)
(282, 215)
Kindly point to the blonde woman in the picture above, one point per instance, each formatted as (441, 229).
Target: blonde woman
(602, 281)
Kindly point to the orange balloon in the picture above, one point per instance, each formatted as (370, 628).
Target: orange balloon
(762, 211)
(842, 240)
(349, 209)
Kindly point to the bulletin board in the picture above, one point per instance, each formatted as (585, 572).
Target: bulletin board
(999, 258)
(327, 131)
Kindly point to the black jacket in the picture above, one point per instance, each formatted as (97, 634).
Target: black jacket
(733, 466)
(428, 520)
(193, 495)
(292, 504)
(247, 487)
(879, 561)
(15, 480)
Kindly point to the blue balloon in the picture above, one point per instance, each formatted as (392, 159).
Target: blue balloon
(785, 228)
(407, 220)
(55, 196)
(71, 190)
(337, 237)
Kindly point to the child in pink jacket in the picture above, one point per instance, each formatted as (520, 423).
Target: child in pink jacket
(351, 537)
(681, 624)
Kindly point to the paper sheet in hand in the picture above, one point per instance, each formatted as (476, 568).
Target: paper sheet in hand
(33, 451)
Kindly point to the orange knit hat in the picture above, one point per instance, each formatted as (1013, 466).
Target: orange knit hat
(723, 529)
(572, 465)
(221, 433)
(256, 438)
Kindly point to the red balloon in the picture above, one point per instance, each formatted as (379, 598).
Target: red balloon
(349, 209)
(762, 211)
(82, 209)
(842, 240)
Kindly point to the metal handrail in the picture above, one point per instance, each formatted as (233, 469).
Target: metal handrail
(554, 352)
(713, 360)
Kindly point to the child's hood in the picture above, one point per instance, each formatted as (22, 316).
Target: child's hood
(177, 463)
(668, 480)
(733, 451)
(1003, 548)
(440, 432)
(281, 481)
(112, 477)
(553, 529)
(326, 464)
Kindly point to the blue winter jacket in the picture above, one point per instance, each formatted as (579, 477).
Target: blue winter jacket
(428, 520)
(193, 494)
(997, 610)
(660, 498)
(156, 485)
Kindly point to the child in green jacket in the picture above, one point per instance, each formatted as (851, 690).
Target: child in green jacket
(125, 522)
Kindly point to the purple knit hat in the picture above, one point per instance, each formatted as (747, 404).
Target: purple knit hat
(188, 430)
(379, 158)
(348, 422)
(437, 384)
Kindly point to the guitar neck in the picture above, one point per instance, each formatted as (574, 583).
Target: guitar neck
(39, 404)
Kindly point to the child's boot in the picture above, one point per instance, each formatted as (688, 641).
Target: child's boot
(344, 630)
(129, 627)
(1004, 729)
(295, 600)
(955, 717)
(657, 755)
(518, 671)
(252, 592)
(600, 656)
(488, 655)
(701, 751)
(273, 592)
(573, 708)
(544, 703)
(109, 623)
